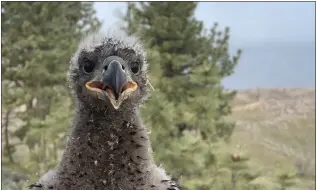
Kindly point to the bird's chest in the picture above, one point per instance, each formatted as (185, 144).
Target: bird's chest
(111, 175)
(93, 182)
(105, 161)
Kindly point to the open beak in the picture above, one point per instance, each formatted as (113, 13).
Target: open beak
(113, 84)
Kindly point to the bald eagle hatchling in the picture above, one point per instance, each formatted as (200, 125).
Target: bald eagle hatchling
(108, 146)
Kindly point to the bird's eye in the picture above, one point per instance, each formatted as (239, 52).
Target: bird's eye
(135, 68)
(88, 66)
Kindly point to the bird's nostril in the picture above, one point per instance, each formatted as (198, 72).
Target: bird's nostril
(123, 67)
(105, 67)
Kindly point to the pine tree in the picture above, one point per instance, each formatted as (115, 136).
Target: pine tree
(287, 179)
(188, 64)
(38, 39)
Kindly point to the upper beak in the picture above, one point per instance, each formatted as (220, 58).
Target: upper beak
(113, 83)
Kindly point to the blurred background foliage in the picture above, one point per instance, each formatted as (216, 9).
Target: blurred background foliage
(193, 131)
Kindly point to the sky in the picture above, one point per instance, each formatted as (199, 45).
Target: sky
(255, 24)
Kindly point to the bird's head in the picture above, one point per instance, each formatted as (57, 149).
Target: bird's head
(109, 72)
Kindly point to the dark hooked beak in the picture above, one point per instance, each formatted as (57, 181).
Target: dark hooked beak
(113, 82)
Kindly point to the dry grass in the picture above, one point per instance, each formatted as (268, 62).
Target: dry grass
(278, 127)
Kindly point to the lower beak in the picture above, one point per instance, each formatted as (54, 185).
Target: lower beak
(113, 84)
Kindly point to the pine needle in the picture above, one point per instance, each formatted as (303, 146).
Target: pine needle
(151, 86)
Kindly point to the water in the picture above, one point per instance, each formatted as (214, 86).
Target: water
(274, 65)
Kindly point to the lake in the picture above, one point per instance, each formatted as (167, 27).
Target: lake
(274, 65)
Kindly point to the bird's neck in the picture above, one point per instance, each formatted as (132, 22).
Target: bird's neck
(106, 145)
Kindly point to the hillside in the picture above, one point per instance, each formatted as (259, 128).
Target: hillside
(276, 127)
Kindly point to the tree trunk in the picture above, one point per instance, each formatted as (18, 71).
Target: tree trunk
(234, 180)
(6, 135)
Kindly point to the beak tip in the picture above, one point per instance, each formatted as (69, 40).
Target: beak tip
(115, 104)
(116, 108)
